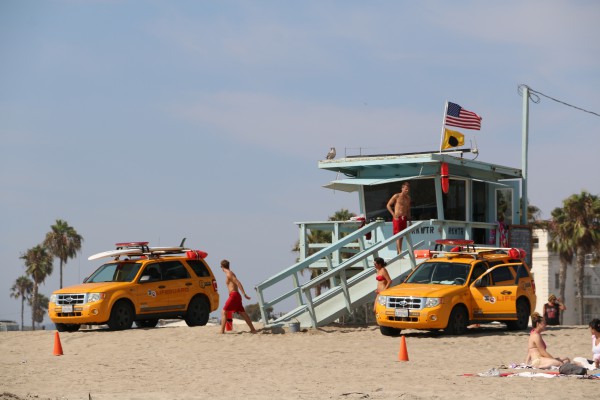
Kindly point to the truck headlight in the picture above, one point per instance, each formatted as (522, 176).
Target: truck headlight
(432, 302)
(53, 298)
(382, 300)
(95, 297)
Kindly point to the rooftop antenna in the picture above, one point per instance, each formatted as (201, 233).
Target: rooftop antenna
(182, 242)
(474, 149)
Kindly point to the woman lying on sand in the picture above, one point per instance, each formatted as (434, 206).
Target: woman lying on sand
(537, 356)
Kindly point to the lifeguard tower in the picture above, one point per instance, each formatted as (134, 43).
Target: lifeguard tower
(480, 198)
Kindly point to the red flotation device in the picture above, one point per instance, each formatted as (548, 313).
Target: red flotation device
(196, 254)
(445, 178)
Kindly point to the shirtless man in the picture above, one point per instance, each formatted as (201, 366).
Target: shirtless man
(399, 207)
(234, 302)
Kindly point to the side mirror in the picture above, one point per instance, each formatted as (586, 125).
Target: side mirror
(479, 283)
(145, 278)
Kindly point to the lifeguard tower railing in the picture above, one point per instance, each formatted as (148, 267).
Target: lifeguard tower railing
(348, 284)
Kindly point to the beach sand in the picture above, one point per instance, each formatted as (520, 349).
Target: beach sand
(334, 362)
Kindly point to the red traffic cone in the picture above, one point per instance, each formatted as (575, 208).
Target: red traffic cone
(229, 321)
(57, 346)
(403, 355)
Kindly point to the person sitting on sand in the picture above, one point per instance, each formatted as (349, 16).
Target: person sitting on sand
(537, 355)
(382, 277)
(594, 363)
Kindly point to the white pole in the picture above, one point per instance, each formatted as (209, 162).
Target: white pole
(443, 123)
(525, 133)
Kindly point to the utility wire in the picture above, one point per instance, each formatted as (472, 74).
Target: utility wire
(536, 99)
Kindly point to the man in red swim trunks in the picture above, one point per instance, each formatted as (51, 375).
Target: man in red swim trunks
(234, 302)
(399, 207)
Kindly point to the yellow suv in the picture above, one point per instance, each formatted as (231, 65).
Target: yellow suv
(453, 289)
(141, 284)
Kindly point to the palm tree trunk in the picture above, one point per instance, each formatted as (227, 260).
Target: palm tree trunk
(61, 268)
(562, 281)
(33, 303)
(579, 272)
(22, 310)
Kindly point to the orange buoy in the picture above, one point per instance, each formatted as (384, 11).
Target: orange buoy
(229, 321)
(445, 178)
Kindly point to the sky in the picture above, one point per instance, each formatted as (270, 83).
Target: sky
(159, 120)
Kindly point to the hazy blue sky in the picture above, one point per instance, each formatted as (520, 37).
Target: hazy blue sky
(158, 120)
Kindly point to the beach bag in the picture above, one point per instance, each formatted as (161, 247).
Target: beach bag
(572, 369)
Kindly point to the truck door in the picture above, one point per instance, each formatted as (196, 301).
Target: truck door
(177, 283)
(150, 296)
(494, 294)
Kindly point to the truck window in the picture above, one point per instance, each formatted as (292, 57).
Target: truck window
(478, 269)
(502, 276)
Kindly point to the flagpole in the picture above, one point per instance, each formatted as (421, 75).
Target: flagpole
(443, 123)
(525, 140)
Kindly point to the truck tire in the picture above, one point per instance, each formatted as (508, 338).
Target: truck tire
(458, 321)
(198, 312)
(522, 317)
(121, 316)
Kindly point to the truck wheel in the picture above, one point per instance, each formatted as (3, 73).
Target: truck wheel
(522, 317)
(121, 316)
(458, 321)
(387, 331)
(146, 323)
(198, 312)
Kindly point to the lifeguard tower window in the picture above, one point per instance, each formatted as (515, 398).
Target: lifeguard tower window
(479, 199)
(454, 201)
(422, 193)
(504, 205)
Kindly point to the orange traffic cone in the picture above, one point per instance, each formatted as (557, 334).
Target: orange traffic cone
(57, 346)
(229, 321)
(403, 355)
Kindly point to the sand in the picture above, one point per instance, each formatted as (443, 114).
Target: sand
(335, 362)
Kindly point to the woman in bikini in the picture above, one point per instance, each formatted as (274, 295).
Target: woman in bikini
(537, 356)
(382, 277)
(594, 363)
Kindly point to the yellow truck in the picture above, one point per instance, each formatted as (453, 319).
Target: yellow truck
(452, 290)
(140, 284)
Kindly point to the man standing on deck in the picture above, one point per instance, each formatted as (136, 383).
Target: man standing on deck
(399, 207)
(234, 302)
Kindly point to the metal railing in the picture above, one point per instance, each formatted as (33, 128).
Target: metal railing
(334, 272)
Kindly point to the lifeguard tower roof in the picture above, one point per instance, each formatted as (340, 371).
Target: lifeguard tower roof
(368, 170)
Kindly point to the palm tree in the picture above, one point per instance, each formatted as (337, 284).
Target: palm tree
(39, 265)
(39, 308)
(22, 290)
(342, 215)
(319, 236)
(63, 242)
(582, 212)
(561, 243)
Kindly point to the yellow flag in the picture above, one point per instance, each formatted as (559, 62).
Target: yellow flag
(452, 139)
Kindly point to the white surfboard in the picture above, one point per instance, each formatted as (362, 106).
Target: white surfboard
(115, 253)
(167, 250)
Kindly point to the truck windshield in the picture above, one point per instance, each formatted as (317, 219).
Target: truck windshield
(115, 272)
(442, 273)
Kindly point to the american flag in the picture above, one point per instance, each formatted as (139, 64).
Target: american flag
(458, 116)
